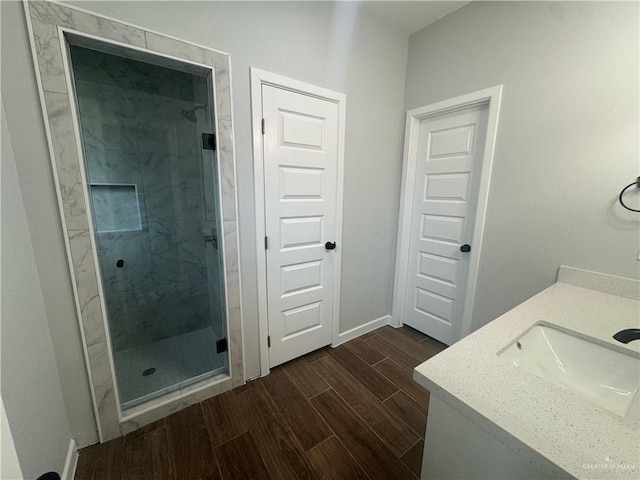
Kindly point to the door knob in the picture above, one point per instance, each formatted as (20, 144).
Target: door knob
(330, 245)
(465, 248)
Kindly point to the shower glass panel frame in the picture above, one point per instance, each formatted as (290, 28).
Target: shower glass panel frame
(53, 28)
(165, 298)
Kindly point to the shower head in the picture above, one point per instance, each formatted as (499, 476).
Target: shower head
(191, 114)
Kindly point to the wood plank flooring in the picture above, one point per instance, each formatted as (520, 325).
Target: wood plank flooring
(351, 412)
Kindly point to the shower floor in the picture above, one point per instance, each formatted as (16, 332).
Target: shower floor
(178, 361)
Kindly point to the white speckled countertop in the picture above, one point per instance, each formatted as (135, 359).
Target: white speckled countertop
(560, 432)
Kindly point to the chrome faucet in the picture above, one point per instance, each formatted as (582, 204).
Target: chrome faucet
(626, 336)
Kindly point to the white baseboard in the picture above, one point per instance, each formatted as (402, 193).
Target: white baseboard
(71, 462)
(362, 329)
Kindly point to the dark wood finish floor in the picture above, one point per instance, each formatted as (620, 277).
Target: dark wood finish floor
(351, 412)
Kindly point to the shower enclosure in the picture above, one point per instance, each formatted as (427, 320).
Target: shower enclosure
(153, 193)
(141, 141)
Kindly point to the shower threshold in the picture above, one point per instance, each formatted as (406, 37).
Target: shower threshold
(156, 369)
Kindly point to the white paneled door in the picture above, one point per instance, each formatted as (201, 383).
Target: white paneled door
(450, 148)
(300, 185)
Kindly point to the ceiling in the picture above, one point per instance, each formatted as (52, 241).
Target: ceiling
(411, 16)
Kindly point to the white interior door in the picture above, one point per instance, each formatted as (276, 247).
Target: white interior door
(300, 174)
(447, 179)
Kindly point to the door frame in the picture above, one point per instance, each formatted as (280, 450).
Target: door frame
(258, 79)
(492, 98)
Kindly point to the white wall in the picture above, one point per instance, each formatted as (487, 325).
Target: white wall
(567, 138)
(333, 45)
(31, 393)
(26, 128)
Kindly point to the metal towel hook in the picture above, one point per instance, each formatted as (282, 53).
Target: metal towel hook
(637, 184)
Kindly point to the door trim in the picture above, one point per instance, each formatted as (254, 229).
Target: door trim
(491, 97)
(258, 79)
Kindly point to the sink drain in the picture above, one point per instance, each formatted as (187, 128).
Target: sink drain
(148, 371)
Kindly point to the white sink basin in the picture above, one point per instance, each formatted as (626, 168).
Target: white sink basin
(605, 376)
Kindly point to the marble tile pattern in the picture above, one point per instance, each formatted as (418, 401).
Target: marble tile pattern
(103, 391)
(88, 296)
(147, 161)
(50, 64)
(116, 207)
(63, 16)
(67, 161)
(120, 145)
(235, 345)
(216, 293)
(143, 315)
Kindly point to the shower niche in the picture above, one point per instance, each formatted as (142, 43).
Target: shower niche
(140, 133)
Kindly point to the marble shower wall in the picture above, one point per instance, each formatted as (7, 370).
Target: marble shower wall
(153, 196)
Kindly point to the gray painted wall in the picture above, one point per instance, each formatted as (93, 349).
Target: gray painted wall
(26, 129)
(567, 139)
(31, 391)
(333, 45)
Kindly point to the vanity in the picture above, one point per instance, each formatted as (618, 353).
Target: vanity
(543, 391)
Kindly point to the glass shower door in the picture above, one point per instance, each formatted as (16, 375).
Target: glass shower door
(155, 206)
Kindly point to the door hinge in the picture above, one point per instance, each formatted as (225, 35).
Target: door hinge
(263, 126)
(269, 341)
(221, 345)
(208, 141)
(266, 243)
